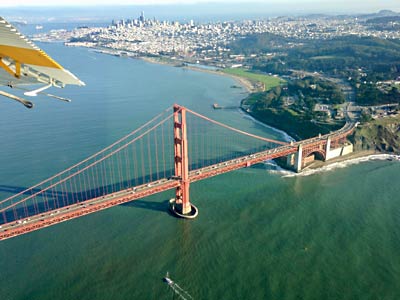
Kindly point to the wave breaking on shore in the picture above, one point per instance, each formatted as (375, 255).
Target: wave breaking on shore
(273, 168)
(344, 164)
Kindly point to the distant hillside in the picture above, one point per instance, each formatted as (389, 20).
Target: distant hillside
(259, 43)
(384, 20)
(382, 13)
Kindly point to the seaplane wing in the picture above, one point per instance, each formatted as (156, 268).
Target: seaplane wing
(22, 62)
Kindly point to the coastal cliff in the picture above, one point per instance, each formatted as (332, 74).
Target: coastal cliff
(381, 135)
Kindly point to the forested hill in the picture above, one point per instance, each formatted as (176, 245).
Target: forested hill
(364, 61)
(344, 55)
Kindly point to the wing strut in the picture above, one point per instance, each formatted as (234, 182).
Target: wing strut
(10, 71)
(35, 92)
(26, 103)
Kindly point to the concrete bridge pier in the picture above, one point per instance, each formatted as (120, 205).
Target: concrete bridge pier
(299, 159)
(328, 147)
(295, 160)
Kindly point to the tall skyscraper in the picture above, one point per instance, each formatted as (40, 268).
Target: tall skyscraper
(141, 18)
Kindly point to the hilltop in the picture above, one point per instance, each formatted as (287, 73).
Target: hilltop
(379, 135)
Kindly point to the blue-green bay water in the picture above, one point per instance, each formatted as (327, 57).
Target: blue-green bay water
(259, 234)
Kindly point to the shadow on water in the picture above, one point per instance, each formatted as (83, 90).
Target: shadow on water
(51, 204)
(49, 200)
(149, 205)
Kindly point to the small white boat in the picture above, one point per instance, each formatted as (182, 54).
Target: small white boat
(182, 294)
(168, 280)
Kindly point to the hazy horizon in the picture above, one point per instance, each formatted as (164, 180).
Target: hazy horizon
(197, 11)
(364, 4)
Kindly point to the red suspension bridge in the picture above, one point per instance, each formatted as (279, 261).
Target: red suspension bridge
(150, 160)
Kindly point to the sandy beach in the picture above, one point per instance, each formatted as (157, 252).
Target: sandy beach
(245, 83)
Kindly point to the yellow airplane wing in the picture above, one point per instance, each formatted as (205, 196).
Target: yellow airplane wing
(22, 62)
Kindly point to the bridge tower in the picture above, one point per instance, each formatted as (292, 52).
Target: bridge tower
(181, 205)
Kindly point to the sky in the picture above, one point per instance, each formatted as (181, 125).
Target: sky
(362, 4)
(40, 11)
(110, 2)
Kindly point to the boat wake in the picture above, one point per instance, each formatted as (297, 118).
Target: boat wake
(180, 292)
(344, 164)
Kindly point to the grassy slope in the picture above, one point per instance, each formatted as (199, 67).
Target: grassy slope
(295, 125)
(268, 81)
(381, 135)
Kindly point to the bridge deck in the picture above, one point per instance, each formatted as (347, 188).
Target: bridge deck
(66, 213)
(76, 210)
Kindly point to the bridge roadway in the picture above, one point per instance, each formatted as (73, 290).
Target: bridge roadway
(344, 131)
(66, 213)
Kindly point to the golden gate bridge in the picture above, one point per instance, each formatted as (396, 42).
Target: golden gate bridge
(171, 151)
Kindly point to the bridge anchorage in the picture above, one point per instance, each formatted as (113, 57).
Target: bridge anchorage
(180, 205)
